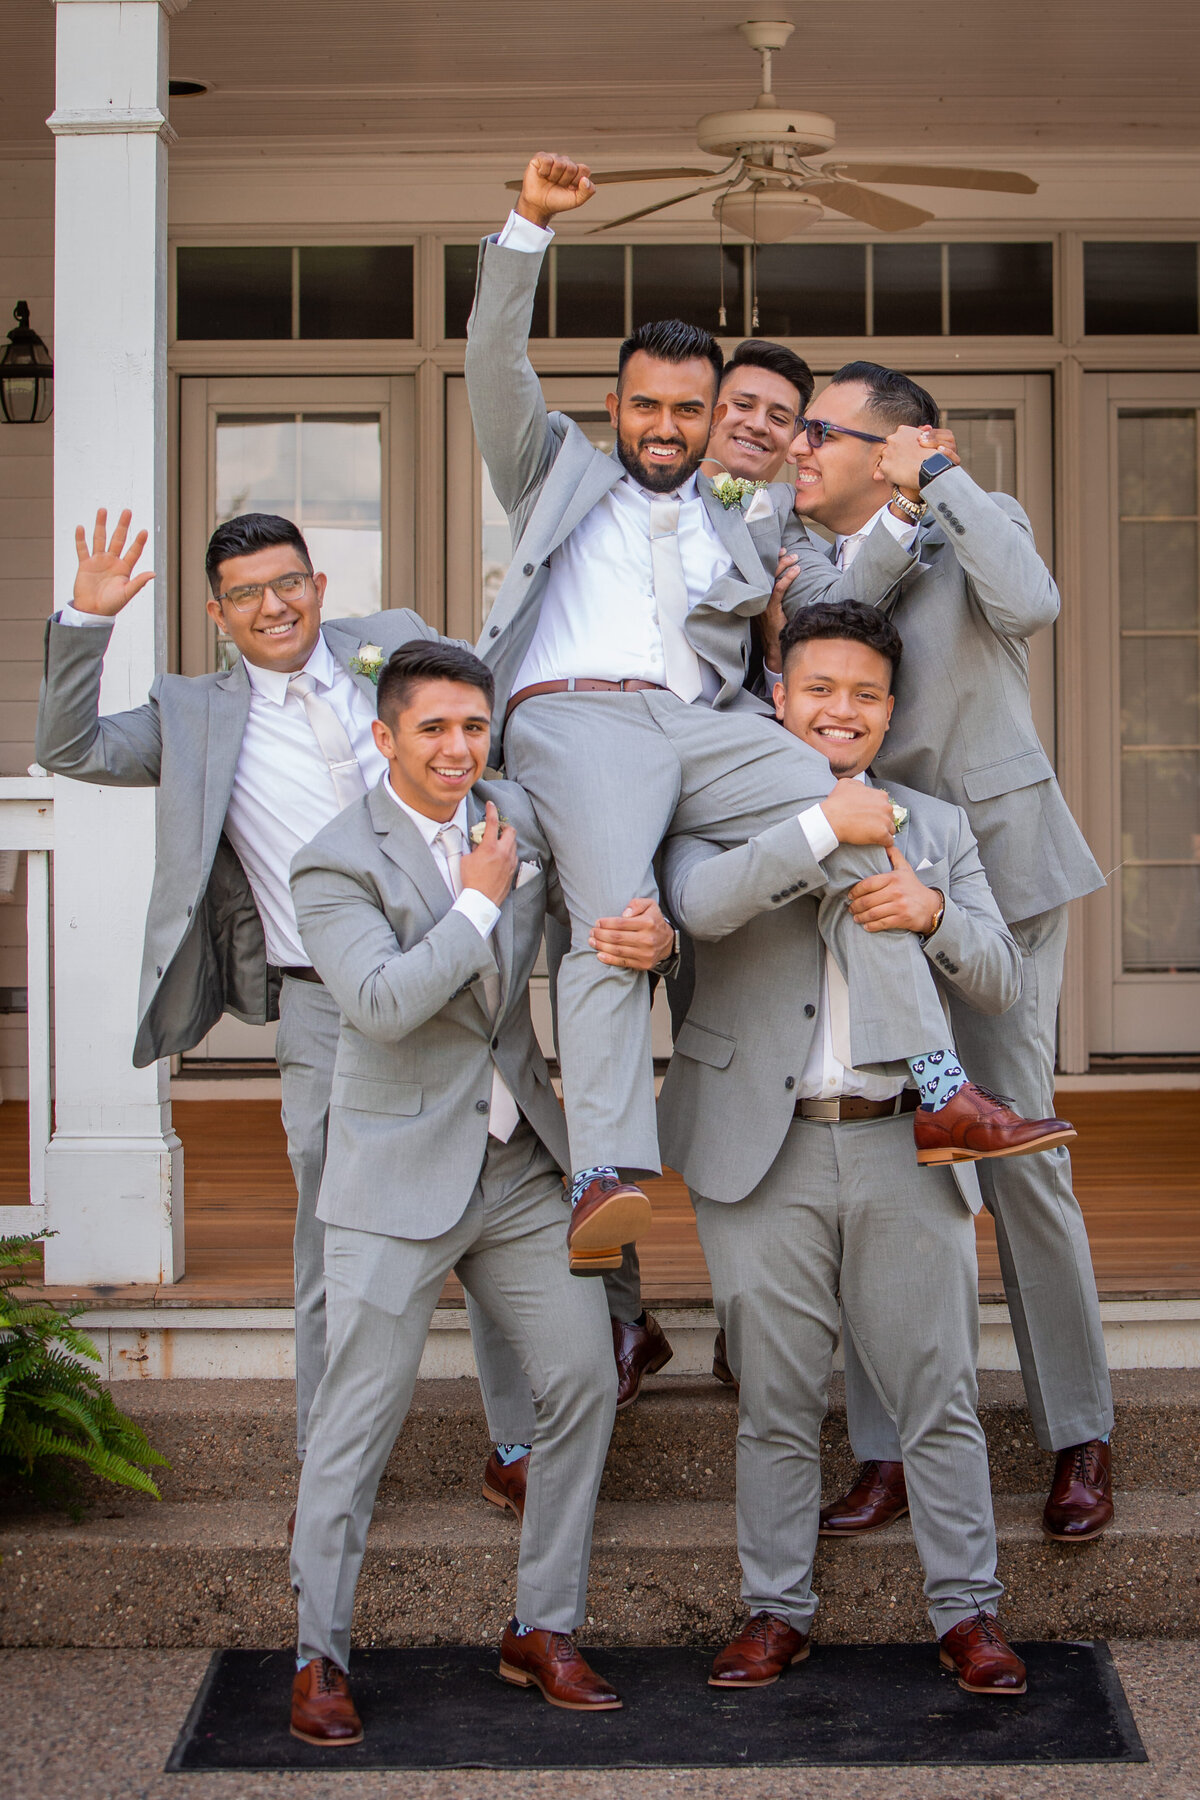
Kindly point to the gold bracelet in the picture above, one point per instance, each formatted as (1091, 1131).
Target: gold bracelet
(939, 915)
(912, 509)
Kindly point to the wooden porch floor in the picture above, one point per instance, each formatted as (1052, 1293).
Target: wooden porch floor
(1137, 1175)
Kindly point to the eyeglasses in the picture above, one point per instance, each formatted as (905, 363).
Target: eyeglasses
(816, 431)
(249, 599)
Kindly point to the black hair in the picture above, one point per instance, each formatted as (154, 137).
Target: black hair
(761, 353)
(850, 620)
(246, 534)
(895, 398)
(429, 659)
(670, 340)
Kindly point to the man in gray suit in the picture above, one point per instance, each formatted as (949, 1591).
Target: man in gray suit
(249, 764)
(974, 593)
(619, 643)
(446, 1151)
(807, 1188)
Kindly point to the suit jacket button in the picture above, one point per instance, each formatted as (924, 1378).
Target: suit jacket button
(789, 1082)
(802, 884)
(810, 1011)
(495, 631)
(158, 971)
(189, 912)
(528, 569)
(775, 899)
(495, 1043)
(481, 1106)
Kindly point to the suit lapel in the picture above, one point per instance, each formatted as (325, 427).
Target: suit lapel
(228, 710)
(403, 844)
(345, 648)
(501, 939)
(729, 523)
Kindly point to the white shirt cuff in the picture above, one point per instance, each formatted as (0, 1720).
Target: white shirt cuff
(481, 911)
(772, 677)
(903, 530)
(822, 838)
(520, 233)
(69, 616)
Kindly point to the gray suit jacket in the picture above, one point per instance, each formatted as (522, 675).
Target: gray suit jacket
(204, 951)
(547, 476)
(726, 1105)
(970, 600)
(408, 1119)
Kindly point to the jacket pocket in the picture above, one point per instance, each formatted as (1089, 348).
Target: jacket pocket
(365, 1093)
(705, 1046)
(1006, 777)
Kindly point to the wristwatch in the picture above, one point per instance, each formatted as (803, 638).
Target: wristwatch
(938, 916)
(933, 466)
(667, 964)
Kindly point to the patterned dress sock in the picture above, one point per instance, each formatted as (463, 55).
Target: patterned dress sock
(520, 1630)
(585, 1177)
(939, 1075)
(511, 1453)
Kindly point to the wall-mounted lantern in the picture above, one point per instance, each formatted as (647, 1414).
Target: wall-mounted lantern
(26, 374)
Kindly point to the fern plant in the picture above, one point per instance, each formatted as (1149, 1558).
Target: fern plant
(54, 1413)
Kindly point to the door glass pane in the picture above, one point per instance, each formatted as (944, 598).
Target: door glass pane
(497, 544)
(325, 472)
(987, 443)
(1159, 617)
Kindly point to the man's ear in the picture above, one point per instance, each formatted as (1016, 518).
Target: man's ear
(891, 704)
(779, 698)
(320, 582)
(213, 609)
(613, 403)
(719, 411)
(385, 743)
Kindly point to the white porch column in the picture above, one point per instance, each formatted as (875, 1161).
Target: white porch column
(114, 1170)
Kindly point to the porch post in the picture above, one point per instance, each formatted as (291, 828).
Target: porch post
(114, 1169)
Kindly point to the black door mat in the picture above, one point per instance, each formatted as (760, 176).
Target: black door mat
(849, 1704)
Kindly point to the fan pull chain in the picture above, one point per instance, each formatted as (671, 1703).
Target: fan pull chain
(754, 273)
(722, 320)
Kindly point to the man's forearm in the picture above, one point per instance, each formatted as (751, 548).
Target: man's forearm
(508, 410)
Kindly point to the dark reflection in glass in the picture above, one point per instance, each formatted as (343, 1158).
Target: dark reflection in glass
(356, 291)
(1139, 288)
(1001, 290)
(682, 281)
(459, 264)
(233, 291)
(812, 290)
(908, 290)
(591, 290)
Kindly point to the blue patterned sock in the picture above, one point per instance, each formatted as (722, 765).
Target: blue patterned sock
(302, 1662)
(939, 1075)
(511, 1453)
(520, 1630)
(585, 1177)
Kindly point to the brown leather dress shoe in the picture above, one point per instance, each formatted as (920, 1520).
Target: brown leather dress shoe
(291, 1524)
(639, 1350)
(548, 1660)
(322, 1710)
(979, 1653)
(759, 1654)
(977, 1124)
(607, 1215)
(1080, 1503)
(721, 1368)
(504, 1484)
(878, 1497)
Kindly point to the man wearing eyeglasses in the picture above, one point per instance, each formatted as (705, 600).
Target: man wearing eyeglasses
(873, 458)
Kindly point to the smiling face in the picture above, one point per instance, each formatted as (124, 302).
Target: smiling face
(663, 414)
(275, 634)
(436, 745)
(754, 422)
(835, 485)
(835, 695)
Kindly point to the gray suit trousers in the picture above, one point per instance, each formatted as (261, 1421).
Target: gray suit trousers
(509, 1251)
(610, 775)
(845, 1208)
(1040, 1233)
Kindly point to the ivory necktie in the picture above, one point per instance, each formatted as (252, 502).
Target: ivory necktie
(332, 741)
(504, 1116)
(670, 599)
(849, 550)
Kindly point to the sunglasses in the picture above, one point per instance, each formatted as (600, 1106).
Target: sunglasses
(816, 431)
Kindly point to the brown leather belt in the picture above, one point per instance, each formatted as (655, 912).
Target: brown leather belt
(580, 684)
(305, 974)
(839, 1112)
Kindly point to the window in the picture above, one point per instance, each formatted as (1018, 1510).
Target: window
(308, 291)
(1001, 290)
(683, 281)
(589, 290)
(1140, 288)
(907, 290)
(812, 290)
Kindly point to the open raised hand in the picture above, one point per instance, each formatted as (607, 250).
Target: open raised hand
(105, 581)
(553, 184)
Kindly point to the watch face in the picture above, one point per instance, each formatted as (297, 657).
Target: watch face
(937, 464)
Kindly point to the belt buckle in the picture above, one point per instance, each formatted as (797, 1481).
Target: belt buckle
(829, 1111)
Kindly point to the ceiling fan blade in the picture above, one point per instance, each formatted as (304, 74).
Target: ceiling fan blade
(1000, 181)
(863, 203)
(627, 218)
(614, 175)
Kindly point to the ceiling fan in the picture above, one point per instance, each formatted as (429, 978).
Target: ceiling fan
(769, 191)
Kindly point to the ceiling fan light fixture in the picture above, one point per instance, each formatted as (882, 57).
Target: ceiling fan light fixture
(758, 131)
(769, 217)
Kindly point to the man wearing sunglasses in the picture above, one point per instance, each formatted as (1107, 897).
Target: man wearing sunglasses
(973, 595)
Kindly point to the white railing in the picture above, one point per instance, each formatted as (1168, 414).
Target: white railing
(27, 823)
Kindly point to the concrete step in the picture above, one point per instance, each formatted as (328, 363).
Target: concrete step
(209, 1573)
(234, 1439)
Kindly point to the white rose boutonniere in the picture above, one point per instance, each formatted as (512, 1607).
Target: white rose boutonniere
(899, 815)
(735, 490)
(477, 831)
(368, 662)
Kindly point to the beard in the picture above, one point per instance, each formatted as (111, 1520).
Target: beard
(655, 479)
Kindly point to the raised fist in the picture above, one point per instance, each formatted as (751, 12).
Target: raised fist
(553, 184)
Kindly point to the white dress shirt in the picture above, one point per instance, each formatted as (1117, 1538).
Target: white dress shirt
(824, 1076)
(282, 791)
(598, 613)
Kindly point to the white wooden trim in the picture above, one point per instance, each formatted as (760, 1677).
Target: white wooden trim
(129, 120)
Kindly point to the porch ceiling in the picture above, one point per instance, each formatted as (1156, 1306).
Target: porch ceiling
(627, 76)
